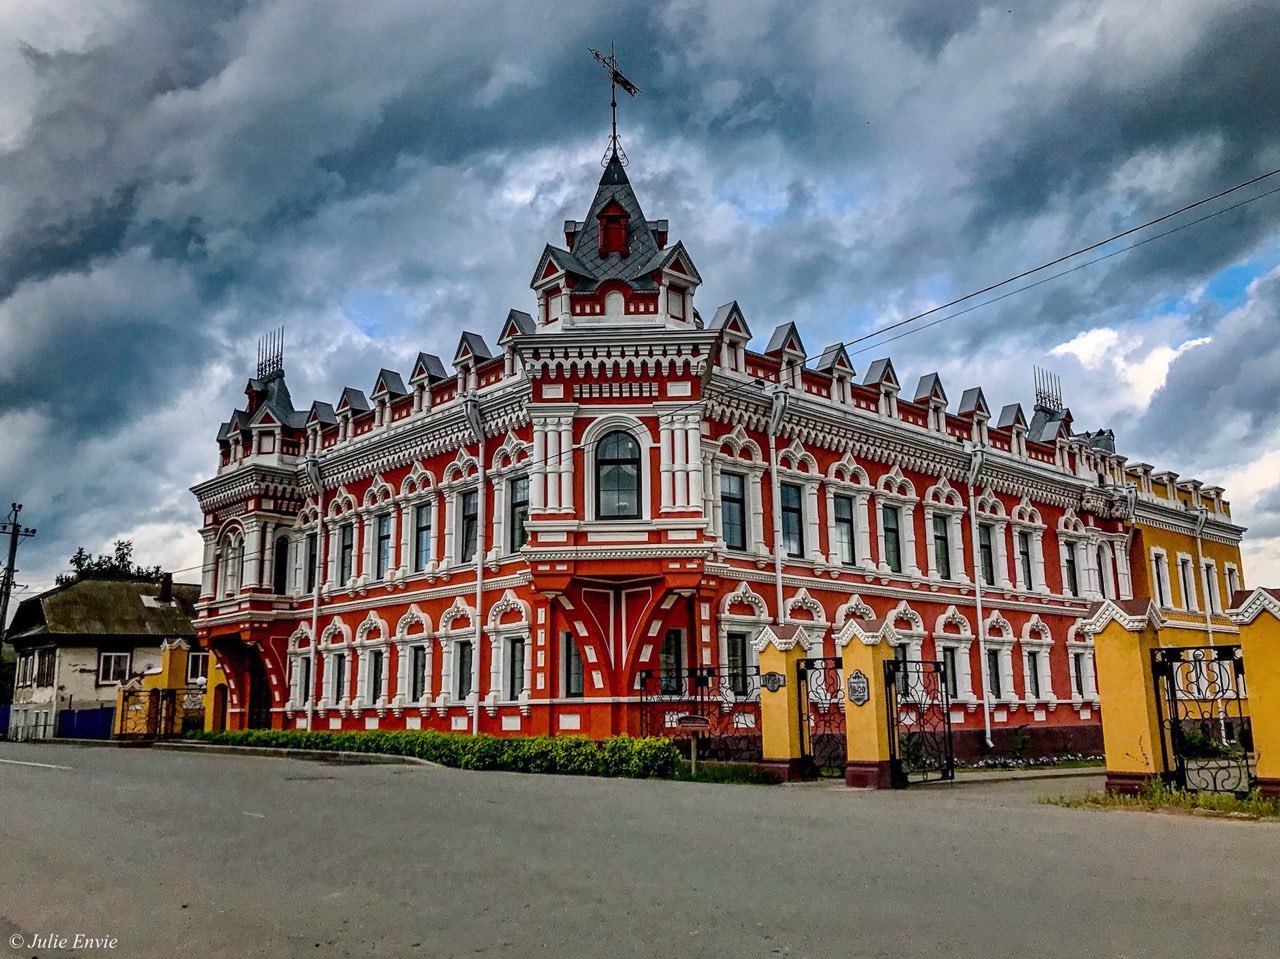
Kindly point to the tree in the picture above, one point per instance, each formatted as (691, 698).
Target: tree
(118, 565)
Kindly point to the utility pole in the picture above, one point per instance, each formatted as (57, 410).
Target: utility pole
(16, 532)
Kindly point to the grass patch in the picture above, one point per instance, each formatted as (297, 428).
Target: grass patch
(731, 773)
(1158, 796)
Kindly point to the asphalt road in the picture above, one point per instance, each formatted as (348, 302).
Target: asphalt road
(177, 855)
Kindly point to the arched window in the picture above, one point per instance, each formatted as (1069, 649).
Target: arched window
(280, 570)
(618, 477)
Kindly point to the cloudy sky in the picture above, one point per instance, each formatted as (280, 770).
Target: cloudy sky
(177, 178)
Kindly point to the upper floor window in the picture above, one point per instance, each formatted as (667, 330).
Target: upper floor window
(1024, 557)
(421, 537)
(618, 477)
(1187, 583)
(843, 506)
(733, 510)
(891, 520)
(1104, 573)
(113, 667)
(986, 553)
(942, 544)
(383, 546)
(198, 667)
(313, 547)
(44, 667)
(1160, 579)
(346, 551)
(1211, 588)
(792, 519)
(519, 513)
(1073, 577)
(280, 566)
(1233, 583)
(468, 525)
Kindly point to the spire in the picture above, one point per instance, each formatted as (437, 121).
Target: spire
(614, 153)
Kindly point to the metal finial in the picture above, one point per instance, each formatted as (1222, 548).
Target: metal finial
(616, 79)
(271, 353)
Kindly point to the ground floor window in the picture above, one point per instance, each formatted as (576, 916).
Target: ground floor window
(515, 668)
(374, 692)
(418, 672)
(572, 667)
(464, 669)
(671, 661)
(737, 664)
(113, 667)
(994, 684)
(339, 663)
(197, 667)
(950, 668)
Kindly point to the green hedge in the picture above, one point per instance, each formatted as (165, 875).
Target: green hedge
(567, 755)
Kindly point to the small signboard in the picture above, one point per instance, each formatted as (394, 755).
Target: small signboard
(859, 688)
(690, 721)
(773, 681)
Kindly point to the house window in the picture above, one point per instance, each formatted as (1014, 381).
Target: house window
(1073, 578)
(464, 669)
(1024, 557)
(572, 667)
(844, 530)
(1187, 583)
(346, 551)
(384, 546)
(733, 510)
(993, 673)
(1160, 576)
(374, 692)
(618, 477)
(515, 668)
(418, 672)
(942, 545)
(302, 676)
(1233, 583)
(113, 667)
(339, 661)
(280, 566)
(197, 667)
(1104, 573)
(671, 662)
(421, 536)
(986, 554)
(891, 520)
(44, 667)
(902, 656)
(1211, 588)
(949, 667)
(792, 520)
(468, 527)
(1033, 674)
(1077, 673)
(313, 545)
(518, 512)
(737, 656)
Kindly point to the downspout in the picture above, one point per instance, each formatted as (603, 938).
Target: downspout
(777, 408)
(1202, 517)
(313, 475)
(977, 455)
(471, 407)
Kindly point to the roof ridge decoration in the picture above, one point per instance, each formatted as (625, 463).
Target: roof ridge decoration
(785, 339)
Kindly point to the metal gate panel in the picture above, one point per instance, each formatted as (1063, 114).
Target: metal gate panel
(919, 719)
(728, 698)
(823, 739)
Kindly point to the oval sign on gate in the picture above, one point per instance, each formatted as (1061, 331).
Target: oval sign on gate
(690, 721)
(859, 688)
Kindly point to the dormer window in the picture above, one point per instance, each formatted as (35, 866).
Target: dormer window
(613, 230)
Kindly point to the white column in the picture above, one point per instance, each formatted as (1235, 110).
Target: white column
(679, 470)
(499, 518)
(1037, 561)
(814, 550)
(331, 566)
(930, 550)
(251, 574)
(406, 535)
(404, 658)
(209, 566)
(693, 430)
(552, 501)
(366, 546)
(538, 469)
(566, 464)
(755, 504)
(666, 465)
(450, 509)
(909, 539)
(711, 496)
(1001, 531)
(864, 530)
(958, 570)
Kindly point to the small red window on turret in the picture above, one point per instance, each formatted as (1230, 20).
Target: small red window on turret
(613, 230)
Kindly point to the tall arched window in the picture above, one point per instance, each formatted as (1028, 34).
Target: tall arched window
(280, 572)
(618, 477)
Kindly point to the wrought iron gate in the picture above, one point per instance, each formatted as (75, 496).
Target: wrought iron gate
(1206, 742)
(727, 697)
(919, 717)
(161, 713)
(822, 722)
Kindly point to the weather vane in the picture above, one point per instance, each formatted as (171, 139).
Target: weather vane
(616, 79)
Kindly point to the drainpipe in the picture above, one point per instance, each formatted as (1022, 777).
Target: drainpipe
(313, 476)
(1202, 517)
(977, 456)
(777, 408)
(471, 407)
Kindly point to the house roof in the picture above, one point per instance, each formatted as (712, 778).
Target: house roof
(104, 607)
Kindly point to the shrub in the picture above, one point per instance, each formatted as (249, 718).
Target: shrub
(567, 755)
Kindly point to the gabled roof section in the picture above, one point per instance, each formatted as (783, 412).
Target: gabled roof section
(785, 339)
(428, 367)
(353, 401)
(389, 383)
(1048, 425)
(322, 413)
(730, 319)
(676, 259)
(881, 372)
(1011, 416)
(555, 260)
(930, 388)
(471, 348)
(974, 403)
(518, 323)
(835, 359)
(105, 607)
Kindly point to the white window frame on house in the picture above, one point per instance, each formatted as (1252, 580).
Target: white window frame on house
(1160, 578)
(1187, 583)
(413, 634)
(749, 624)
(108, 677)
(335, 692)
(464, 555)
(510, 465)
(1037, 652)
(847, 479)
(785, 489)
(1212, 595)
(299, 655)
(745, 544)
(942, 500)
(991, 512)
(503, 633)
(516, 514)
(449, 636)
(1026, 522)
(1071, 534)
(737, 453)
(641, 467)
(1001, 640)
(416, 491)
(460, 477)
(1232, 573)
(232, 555)
(797, 467)
(379, 501)
(200, 658)
(894, 490)
(953, 631)
(1084, 689)
(383, 546)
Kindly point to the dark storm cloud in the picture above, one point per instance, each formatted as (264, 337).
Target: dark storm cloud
(187, 175)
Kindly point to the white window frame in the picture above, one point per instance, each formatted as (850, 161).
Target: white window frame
(1160, 578)
(1187, 583)
(196, 656)
(1209, 580)
(103, 657)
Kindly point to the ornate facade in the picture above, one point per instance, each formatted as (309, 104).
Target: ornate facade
(623, 490)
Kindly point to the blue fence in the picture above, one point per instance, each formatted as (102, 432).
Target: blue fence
(86, 723)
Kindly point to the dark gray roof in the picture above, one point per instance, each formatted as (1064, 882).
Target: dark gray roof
(474, 344)
(1011, 415)
(725, 312)
(104, 607)
(391, 382)
(879, 372)
(323, 414)
(1046, 424)
(781, 335)
(224, 431)
(1104, 440)
(518, 323)
(973, 400)
(354, 400)
(430, 367)
(833, 357)
(930, 385)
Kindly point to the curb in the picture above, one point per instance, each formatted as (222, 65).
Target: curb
(313, 755)
(1019, 776)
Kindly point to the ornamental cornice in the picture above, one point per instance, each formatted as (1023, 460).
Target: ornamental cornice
(1179, 520)
(248, 481)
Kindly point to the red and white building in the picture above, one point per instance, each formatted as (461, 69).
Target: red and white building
(620, 486)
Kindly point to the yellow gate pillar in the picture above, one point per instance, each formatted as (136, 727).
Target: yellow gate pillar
(1259, 620)
(1124, 634)
(781, 648)
(864, 647)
